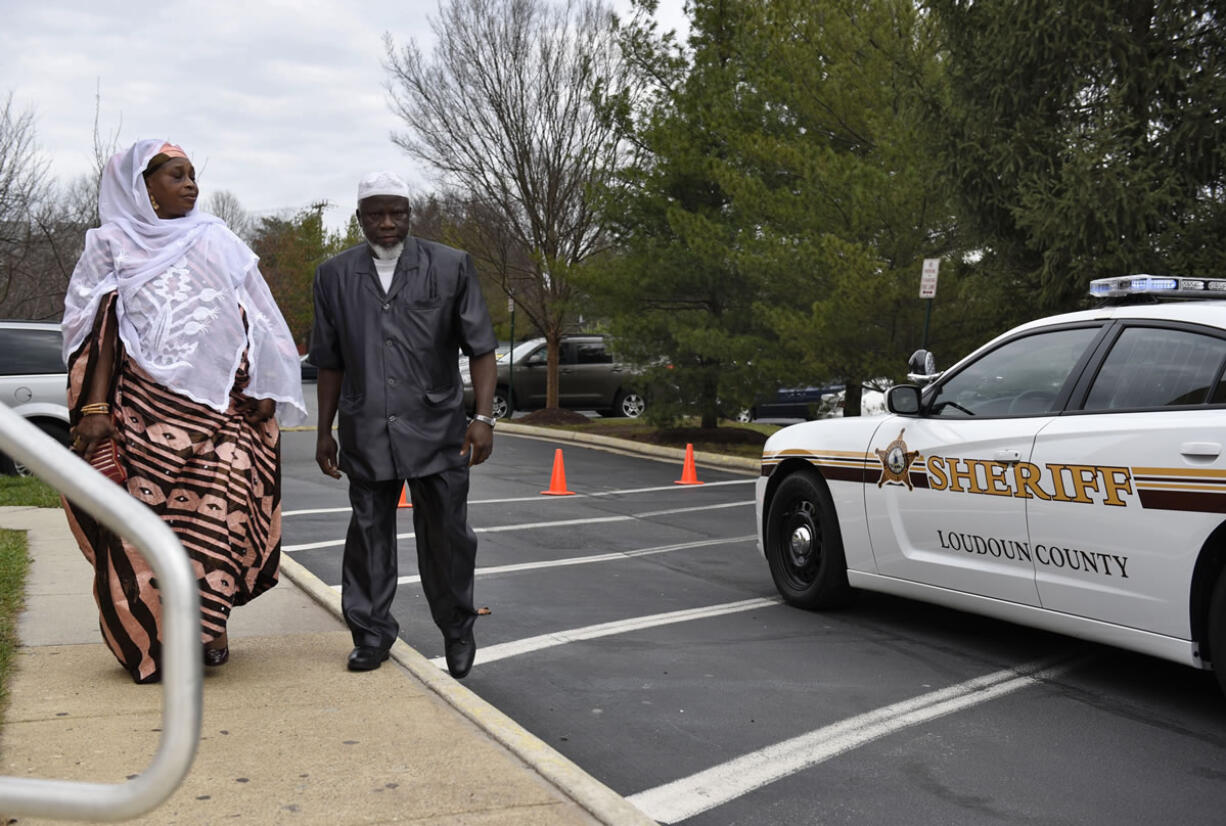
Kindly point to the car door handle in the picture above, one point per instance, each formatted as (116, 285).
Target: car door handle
(1201, 449)
(1007, 457)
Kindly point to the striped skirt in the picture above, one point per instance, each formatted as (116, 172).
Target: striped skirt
(214, 479)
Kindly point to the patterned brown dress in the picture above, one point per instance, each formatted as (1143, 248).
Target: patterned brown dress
(214, 479)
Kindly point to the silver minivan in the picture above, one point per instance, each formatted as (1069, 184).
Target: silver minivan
(34, 380)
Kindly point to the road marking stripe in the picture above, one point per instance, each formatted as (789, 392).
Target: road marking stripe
(717, 785)
(527, 526)
(539, 498)
(527, 645)
(582, 560)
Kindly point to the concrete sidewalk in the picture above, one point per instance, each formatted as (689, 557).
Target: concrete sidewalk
(288, 735)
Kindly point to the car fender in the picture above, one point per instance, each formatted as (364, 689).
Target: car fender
(811, 445)
(43, 410)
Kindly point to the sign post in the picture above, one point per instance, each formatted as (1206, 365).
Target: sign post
(928, 290)
(511, 352)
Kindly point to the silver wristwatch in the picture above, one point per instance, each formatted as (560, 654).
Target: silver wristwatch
(490, 420)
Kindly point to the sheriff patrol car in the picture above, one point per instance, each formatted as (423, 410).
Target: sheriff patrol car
(1068, 475)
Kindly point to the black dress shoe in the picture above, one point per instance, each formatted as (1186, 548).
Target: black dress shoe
(460, 654)
(366, 658)
(216, 656)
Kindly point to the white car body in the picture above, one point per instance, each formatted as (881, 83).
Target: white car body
(1104, 519)
(33, 379)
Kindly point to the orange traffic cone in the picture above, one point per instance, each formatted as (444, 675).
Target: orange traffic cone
(688, 474)
(557, 482)
(404, 498)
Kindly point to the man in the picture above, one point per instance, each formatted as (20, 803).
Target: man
(391, 316)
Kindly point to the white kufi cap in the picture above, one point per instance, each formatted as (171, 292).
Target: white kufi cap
(382, 183)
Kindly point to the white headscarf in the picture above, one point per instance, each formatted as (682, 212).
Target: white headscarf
(180, 284)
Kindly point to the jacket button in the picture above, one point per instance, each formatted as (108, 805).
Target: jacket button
(387, 307)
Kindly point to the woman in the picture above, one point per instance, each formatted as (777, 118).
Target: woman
(178, 359)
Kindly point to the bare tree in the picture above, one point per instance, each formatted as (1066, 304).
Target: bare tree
(40, 244)
(224, 204)
(504, 110)
(24, 184)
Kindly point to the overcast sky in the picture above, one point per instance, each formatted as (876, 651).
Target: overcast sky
(280, 102)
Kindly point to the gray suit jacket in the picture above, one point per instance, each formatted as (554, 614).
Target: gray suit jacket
(401, 406)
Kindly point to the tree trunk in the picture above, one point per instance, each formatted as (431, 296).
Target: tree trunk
(852, 394)
(552, 340)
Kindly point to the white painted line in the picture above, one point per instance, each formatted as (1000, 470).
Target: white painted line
(539, 498)
(717, 785)
(583, 560)
(527, 645)
(528, 526)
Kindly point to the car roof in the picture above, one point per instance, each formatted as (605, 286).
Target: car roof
(1208, 313)
(15, 323)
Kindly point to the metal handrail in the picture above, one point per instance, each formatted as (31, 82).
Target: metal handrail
(181, 667)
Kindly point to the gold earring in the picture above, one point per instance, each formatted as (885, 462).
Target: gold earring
(154, 202)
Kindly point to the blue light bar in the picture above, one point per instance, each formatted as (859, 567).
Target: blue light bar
(1159, 286)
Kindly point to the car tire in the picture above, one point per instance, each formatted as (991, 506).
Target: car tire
(629, 404)
(1217, 630)
(56, 430)
(502, 404)
(804, 547)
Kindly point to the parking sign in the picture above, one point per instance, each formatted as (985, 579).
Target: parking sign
(928, 279)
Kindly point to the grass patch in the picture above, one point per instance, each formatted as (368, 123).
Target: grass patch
(14, 562)
(27, 490)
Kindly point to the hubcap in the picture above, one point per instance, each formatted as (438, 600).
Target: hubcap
(800, 545)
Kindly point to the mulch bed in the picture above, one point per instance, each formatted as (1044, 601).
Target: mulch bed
(672, 437)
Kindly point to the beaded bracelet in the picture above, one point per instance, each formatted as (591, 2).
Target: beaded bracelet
(95, 408)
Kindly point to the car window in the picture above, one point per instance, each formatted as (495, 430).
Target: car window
(538, 356)
(27, 351)
(592, 352)
(1022, 377)
(1151, 367)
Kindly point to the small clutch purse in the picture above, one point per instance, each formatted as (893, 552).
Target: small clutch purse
(105, 459)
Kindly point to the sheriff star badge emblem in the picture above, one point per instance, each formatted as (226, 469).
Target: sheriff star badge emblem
(896, 462)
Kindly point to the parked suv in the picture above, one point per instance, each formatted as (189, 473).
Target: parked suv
(33, 380)
(588, 379)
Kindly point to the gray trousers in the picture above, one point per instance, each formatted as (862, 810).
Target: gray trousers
(446, 556)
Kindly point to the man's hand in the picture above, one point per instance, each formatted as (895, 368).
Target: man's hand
(478, 442)
(325, 455)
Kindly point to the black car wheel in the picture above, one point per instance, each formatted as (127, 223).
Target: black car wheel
(1217, 630)
(55, 430)
(502, 403)
(803, 545)
(629, 404)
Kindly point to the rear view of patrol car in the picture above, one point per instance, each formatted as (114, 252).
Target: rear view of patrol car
(1068, 475)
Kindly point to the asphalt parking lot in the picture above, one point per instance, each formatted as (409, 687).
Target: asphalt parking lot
(635, 628)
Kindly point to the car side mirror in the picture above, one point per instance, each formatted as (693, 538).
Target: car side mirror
(903, 399)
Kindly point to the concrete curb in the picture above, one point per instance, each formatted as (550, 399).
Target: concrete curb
(630, 446)
(551, 434)
(599, 800)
